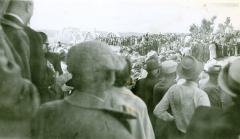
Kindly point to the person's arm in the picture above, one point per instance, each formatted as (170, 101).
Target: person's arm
(160, 110)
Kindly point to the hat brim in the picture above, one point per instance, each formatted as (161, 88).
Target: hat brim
(222, 81)
(190, 75)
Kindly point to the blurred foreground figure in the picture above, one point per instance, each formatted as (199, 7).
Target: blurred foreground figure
(18, 97)
(27, 44)
(86, 114)
(213, 123)
(141, 128)
(184, 98)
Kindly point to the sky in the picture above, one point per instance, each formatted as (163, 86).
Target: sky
(154, 16)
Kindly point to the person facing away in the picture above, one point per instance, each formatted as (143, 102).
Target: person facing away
(119, 94)
(212, 88)
(28, 44)
(86, 114)
(214, 123)
(184, 98)
(144, 87)
(18, 96)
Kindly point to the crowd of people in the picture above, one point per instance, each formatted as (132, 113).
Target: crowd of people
(171, 86)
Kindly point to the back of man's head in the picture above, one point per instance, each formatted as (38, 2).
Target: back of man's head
(93, 63)
(3, 6)
(22, 8)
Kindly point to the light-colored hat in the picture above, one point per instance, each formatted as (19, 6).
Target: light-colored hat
(214, 69)
(229, 78)
(189, 68)
(169, 67)
(93, 55)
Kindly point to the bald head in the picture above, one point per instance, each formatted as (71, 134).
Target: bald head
(3, 6)
(22, 8)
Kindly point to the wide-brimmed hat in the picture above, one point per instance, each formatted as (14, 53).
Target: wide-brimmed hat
(93, 55)
(229, 78)
(189, 68)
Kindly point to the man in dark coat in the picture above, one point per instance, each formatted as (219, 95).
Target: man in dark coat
(29, 48)
(18, 97)
(213, 123)
(144, 87)
(85, 114)
(211, 87)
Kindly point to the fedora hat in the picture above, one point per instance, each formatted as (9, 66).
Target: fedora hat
(229, 78)
(189, 68)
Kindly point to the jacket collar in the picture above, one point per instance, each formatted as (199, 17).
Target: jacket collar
(90, 101)
(11, 21)
(14, 18)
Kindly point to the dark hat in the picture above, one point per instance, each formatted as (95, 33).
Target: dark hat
(152, 64)
(229, 78)
(189, 68)
(93, 55)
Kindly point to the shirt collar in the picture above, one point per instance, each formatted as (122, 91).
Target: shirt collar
(16, 16)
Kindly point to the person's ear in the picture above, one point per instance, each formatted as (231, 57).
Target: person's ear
(29, 7)
(110, 77)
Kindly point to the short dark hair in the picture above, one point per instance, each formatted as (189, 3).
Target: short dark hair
(123, 76)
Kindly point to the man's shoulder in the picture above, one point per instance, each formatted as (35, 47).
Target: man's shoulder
(50, 106)
(128, 96)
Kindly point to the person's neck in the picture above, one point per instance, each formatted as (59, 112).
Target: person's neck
(94, 92)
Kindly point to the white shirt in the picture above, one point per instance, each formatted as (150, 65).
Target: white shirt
(183, 100)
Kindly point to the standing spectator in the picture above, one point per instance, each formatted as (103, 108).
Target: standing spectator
(213, 123)
(17, 15)
(212, 88)
(85, 114)
(184, 98)
(18, 96)
(144, 87)
(120, 95)
(20, 13)
(167, 79)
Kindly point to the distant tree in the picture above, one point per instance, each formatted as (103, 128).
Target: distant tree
(194, 29)
(226, 26)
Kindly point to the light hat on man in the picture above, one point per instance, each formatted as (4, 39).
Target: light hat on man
(214, 69)
(93, 55)
(229, 78)
(189, 68)
(168, 67)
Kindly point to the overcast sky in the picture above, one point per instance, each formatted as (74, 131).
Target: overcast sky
(131, 15)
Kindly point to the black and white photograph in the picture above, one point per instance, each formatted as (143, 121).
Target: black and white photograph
(119, 69)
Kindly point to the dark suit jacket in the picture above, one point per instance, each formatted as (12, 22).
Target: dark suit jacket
(31, 54)
(20, 44)
(18, 96)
